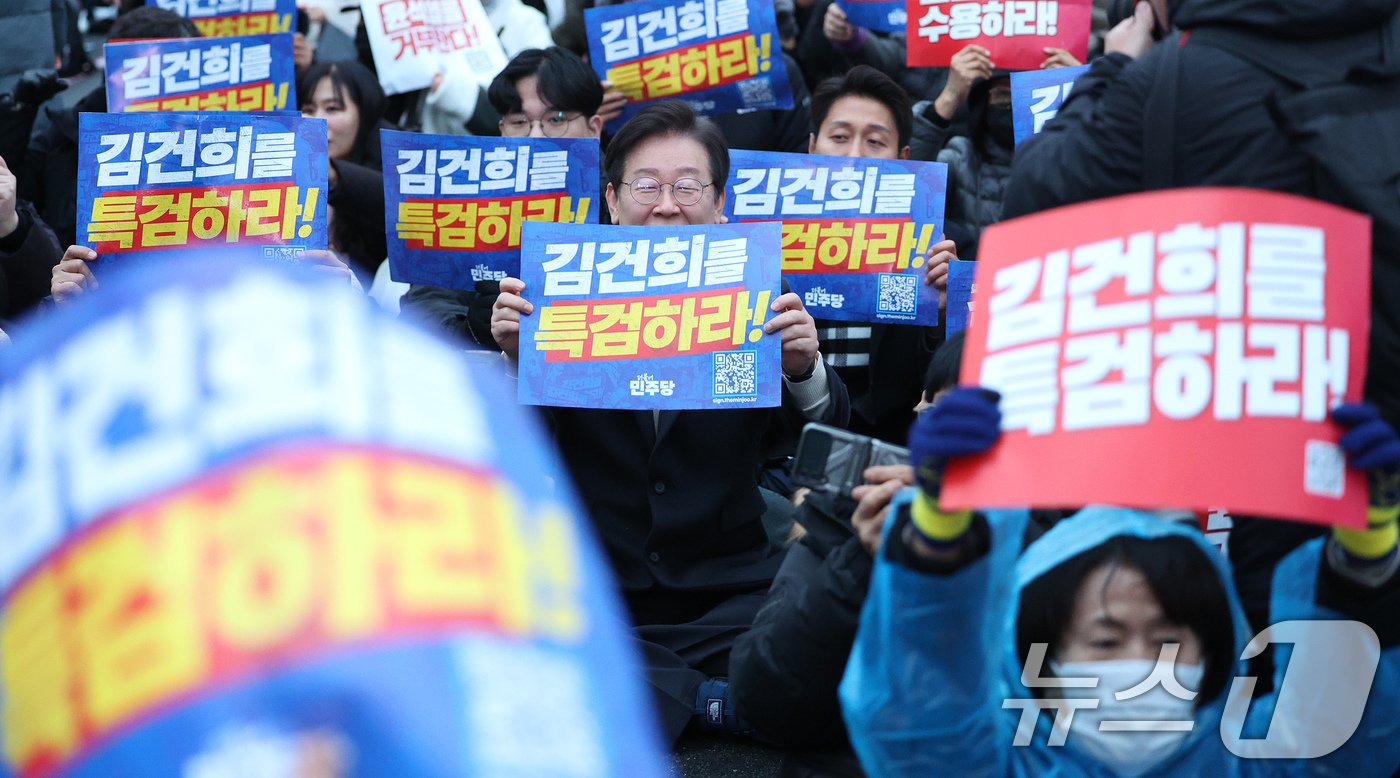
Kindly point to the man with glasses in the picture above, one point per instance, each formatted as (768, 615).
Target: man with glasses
(548, 93)
(674, 494)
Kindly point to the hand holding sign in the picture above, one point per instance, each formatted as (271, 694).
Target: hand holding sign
(324, 261)
(1015, 33)
(614, 100)
(799, 333)
(1371, 444)
(1058, 58)
(835, 26)
(964, 423)
(936, 276)
(72, 276)
(506, 313)
(969, 65)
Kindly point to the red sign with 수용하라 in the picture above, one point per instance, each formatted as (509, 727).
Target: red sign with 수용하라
(1172, 349)
(1016, 32)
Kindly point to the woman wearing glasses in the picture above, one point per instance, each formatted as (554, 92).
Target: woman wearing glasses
(673, 494)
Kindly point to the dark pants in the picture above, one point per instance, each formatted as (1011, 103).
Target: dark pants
(685, 639)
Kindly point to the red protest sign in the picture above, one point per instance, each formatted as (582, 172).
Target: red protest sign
(1015, 31)
(1172, 349)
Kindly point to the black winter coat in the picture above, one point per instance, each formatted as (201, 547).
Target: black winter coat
(50, 178)
(786, 669)
(979, 170)
(27, 257)
(767, 130)
(357, 231)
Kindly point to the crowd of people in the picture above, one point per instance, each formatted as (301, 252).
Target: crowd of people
(873, 632)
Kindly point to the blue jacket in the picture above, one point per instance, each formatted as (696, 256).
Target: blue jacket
(936, 656)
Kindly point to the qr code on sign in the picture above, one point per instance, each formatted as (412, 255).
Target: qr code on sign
(1324, 469)
(283, 255)
(756, 91)
(734, 374)
(899, 293)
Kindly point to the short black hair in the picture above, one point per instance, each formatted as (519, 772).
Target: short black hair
(353, 82)
(1184, 581)
(564, 81)
(149, 21)
(865, 81)
(668, 117)
(943, 369)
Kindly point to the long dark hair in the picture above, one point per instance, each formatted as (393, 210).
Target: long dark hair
(353, 83)
(1181, 577)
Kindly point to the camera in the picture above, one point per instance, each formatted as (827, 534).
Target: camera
(834, 460)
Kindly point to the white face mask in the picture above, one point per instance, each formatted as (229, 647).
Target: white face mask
(1128, 753)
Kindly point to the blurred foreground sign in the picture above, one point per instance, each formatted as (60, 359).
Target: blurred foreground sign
(255, 528)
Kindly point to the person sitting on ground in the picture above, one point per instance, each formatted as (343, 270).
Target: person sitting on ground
(787, 667)
(674, 494)
(965, 641)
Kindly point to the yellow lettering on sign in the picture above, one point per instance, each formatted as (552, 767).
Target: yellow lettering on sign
(263, 586)
(354, 606)
(438, 525)
(292, 553)
(556, 576)
(514, 599)
(39, 717)
(136, 648)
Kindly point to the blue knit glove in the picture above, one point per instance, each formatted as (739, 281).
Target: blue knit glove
(963, 422)
(1369, 442)
(1371, 445)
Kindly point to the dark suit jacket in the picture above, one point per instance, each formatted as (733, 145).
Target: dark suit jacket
(676, 502)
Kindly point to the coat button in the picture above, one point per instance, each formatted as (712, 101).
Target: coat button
(659, 487)
(653, 556)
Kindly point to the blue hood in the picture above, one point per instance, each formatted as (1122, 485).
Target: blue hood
(1091, 527)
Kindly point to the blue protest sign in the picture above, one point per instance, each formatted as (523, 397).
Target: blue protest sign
(882, 15)
(247, 73)
(1036, 96)
(311, 539)
(454, 204)
(856, 232)
(650, 317)
(225, 18)
(150, 185)
(720, 56)
(960, 288)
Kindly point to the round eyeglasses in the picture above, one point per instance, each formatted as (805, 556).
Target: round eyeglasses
(551, 124)
(686, 191)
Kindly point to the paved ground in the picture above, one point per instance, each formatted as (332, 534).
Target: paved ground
(703, 757)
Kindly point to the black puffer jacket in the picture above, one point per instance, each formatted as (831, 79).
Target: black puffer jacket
(786, 668)
(1224, 134)
(50, 178)
(979, 169)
